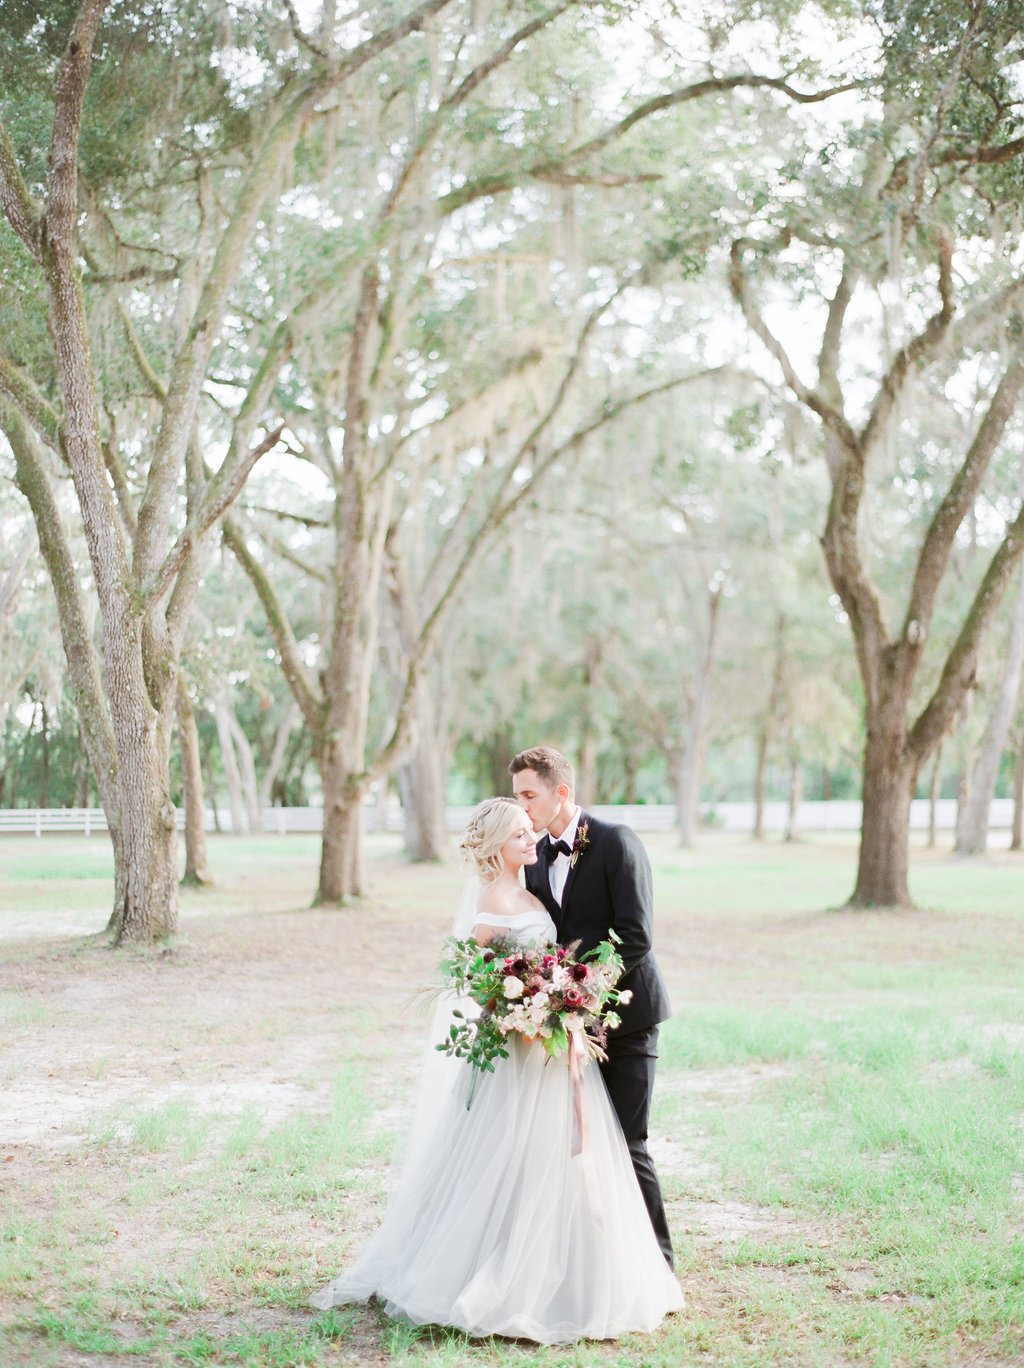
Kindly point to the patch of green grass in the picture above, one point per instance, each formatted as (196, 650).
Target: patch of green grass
(58, 859)
(175, 1125)
(244, 1135)
(334, 1324)
(161, 1293)
(18, 1010)
(307, 1158)
(902, 1132)
(23, 1243)
(196, 1351)
(713, 1037)
(983, 887)
(271, 1349)
(83, 1325)
(761, 879)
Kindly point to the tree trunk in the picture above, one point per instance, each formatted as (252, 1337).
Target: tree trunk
(586, 781)
(630, 769)
(44, 768)
(972, 823)
(210, 780)
(691, 761)
(362, 527)
(81, 770)
(421, 784)
(148, 908)
(268, 784)
(247, 771)
(196, 868)
(760, 770)
(498, 751)
(933, 799)
(1017, 834)
(229, 760)
(687, 792)
(889, 779)
(796, 793)
(963, 791)
(769, 725)
(341, 852)
(593, 676)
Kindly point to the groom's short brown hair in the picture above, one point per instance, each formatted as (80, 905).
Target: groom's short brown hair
(549, 765)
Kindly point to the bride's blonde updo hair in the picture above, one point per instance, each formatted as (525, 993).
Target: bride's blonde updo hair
(491, 823)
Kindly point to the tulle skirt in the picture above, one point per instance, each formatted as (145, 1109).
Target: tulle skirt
(497, 1228)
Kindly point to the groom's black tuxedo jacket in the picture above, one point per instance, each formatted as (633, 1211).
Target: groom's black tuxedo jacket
(610, 888)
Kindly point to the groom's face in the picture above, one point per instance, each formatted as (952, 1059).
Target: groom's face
(538, 799)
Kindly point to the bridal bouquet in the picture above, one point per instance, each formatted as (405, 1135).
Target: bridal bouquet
(544, 993)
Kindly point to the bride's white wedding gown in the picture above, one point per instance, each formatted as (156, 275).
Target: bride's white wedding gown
(497, 1229)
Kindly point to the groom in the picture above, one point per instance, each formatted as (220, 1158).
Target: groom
(595, 877)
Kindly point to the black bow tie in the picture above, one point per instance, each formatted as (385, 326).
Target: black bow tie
(555, 848)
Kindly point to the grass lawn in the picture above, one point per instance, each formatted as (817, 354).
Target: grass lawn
(193, 1138)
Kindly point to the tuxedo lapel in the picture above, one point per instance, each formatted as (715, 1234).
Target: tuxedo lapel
(573, 865)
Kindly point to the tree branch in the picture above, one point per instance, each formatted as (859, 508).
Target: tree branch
(918, 349)
(985, 156)
(12, 581)
(841, 545)
(539, 170)
(294, 670)
(221, 492)
(832, 417)
(21, 391)
(285, 516)
(301, 37)
(828, 356)
(83, 662)
(961, 665)
(959, 498)
(283, 550)
(62, 200)
(21, 212)
(496, 517)
(193, 356)
(715, 85)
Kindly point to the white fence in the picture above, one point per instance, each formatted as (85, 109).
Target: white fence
(733, 817)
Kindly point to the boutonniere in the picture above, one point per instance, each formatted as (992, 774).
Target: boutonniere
(580, 844)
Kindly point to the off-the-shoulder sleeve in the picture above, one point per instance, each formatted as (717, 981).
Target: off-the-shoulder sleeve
(490, 919)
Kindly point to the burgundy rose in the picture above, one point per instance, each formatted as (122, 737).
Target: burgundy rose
(579, 973)
(573, 998)
(548, 962)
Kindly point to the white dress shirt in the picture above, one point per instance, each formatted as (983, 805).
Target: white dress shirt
(558, 869)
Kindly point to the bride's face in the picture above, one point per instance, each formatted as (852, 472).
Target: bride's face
(521, 847)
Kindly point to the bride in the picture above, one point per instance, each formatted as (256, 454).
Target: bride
(496, 1228)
